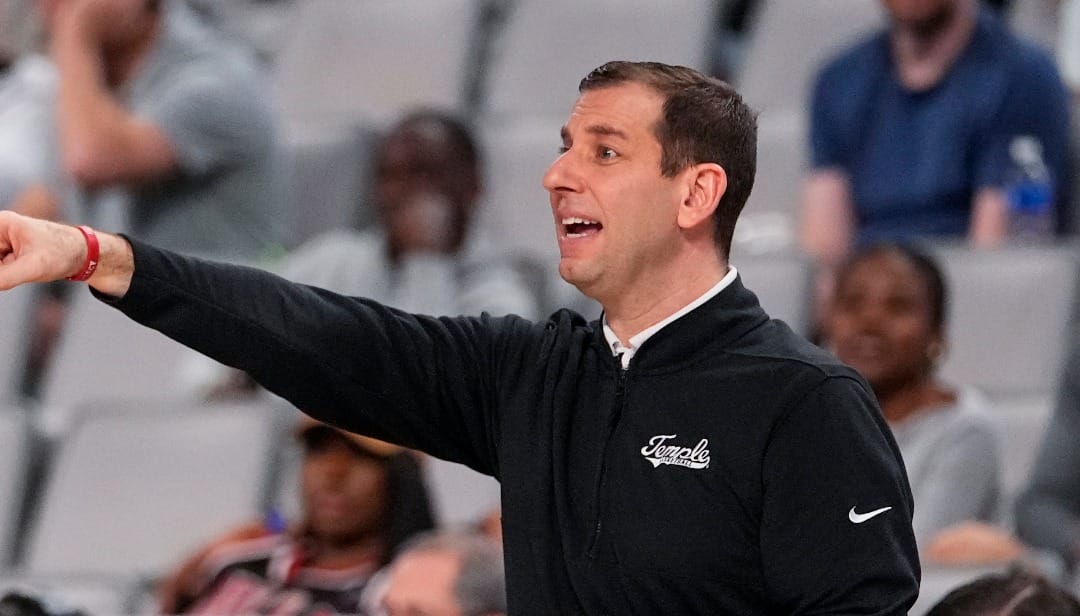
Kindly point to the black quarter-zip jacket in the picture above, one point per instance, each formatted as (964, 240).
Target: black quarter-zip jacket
(734, 468)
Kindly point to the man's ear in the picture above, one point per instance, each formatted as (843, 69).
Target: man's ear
(706, 183)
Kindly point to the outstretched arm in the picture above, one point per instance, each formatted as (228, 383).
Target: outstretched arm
(33, 250)
(423, 382)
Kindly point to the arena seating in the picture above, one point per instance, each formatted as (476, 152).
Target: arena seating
(15, 318)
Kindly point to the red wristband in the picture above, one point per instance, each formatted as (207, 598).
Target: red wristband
(93, 253)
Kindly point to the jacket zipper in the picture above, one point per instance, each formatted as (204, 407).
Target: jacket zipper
(613, 422)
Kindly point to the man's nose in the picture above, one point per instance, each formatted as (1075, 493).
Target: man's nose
(562, 175)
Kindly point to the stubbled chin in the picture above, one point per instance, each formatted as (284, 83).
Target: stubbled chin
(577, 273)
(570, 270)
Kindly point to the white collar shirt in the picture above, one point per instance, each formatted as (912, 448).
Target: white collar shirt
(626, 352)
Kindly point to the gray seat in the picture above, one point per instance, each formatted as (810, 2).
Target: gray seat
(15, 322)
(782, 283)
(1008, 316)
(791, 40)
(373, 59)
(328, 168)
(547, 46)
(95, 595)
(1020, 422)
(516, 209)
(769, 220)
(132, 492)
(460, 495)
(15, 449)
(103, 354)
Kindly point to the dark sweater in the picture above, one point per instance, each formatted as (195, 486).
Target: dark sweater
(718, 475)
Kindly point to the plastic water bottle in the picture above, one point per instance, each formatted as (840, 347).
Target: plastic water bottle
(1029, 191)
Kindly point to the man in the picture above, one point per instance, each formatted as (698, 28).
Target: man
(361, 499)
(722, 466)
(446, 575)
(911, 130)
(426, 256)
(159, 117)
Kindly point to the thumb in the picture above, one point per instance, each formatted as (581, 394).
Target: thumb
(16, 271)
(34, 250)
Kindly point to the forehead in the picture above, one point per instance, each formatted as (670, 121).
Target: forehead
(886, 270)
(416, 142)
(632, 109)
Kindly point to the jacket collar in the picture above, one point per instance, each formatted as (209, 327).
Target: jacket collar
(712, 326)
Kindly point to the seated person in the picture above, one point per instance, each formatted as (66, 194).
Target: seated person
(1016, 593)
(160, 118)
(887, 320)
(911, 129)
(361, 499)
(445, 575)
(425, 256)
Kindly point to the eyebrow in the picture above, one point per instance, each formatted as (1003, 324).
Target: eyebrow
(604, 130)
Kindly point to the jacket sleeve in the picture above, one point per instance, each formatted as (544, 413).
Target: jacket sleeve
(423, 382)
(836, 531)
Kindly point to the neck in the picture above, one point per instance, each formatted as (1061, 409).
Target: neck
(636, 310)
(904, 401)
(924, 52)
(121, 64)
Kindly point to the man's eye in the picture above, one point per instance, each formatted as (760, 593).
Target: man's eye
(607, 154)
(563, 149)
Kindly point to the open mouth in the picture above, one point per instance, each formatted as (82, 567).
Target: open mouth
(579, 227)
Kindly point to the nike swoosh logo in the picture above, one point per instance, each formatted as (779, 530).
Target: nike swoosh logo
(859, 518)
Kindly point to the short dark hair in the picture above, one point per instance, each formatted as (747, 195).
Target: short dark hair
(925, 266)
(458, 133)
(702, 120)
(1015, 593)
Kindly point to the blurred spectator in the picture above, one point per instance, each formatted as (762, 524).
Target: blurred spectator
(362, 498)
(157, 113)
(30, 171)
(1016, 593)
(27, 95)
(1048, 511)
(887, 320)
(446, 575)
(145, 120)
(911, 129)
(425, 256)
